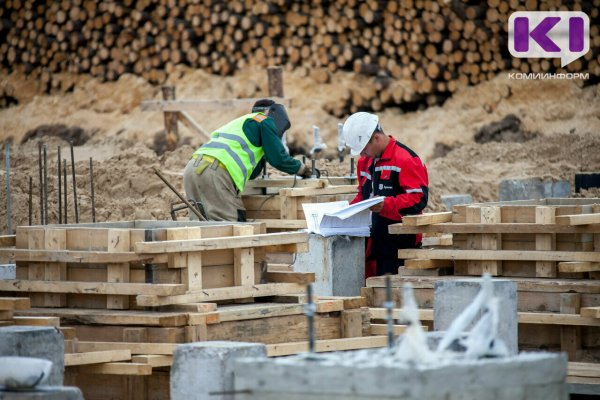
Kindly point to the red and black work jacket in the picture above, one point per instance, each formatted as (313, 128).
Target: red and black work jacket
(402, 178)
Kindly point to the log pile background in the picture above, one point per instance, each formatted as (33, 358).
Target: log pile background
(414, 51)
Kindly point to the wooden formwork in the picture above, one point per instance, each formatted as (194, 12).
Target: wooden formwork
(278, 202)
(105, 265)
(550, 248)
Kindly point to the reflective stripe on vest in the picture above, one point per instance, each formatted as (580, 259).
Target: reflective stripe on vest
(230, 146)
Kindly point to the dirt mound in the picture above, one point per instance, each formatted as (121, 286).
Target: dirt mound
(509, 129)
(73, 134)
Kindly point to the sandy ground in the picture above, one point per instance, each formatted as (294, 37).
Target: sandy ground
(562, 118)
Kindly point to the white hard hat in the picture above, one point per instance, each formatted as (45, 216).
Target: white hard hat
(358, 129)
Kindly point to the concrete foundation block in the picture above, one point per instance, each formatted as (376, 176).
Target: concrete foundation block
(8, 271)
(451, 297)
(526, 376)
(451, 200)
(203, 371)
(44, 393)
(338, 263)
(534, 188)
(41, 342)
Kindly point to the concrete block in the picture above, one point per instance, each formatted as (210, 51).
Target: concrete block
(203, 371)
(8, 271)
(451, 200)
(375, 377)
(533, 188)
(338, 263)
(44, 393)
(41, 342)
(451, 297)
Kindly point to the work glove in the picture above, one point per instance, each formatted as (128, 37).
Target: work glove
(305, 171)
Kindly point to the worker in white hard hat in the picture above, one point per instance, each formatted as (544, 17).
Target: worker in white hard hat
(386, 168)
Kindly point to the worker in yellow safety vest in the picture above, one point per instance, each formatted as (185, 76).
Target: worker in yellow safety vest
(218, 171)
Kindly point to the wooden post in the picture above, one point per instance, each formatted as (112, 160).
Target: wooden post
(172, 135)
(352, 323)
(192, 275)
(35, 271)
(596, 274)
(570, 336)
(55, 239)
(545, 242)
(275, 78)
(118, 241)
(484, 215)
(243, 261)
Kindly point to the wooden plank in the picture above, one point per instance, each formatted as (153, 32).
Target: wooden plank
(203, 105)
(485, 215)
(286, 349)
(267, 239)
(557, 319)
(134, 348)
(284, 223)
(83, 257)
(14, 303)
(307, 191)
(8, 240)
(243, 258)
(381, 313)
(427, 219)
(154, 360)
(118, 242)
(590, 370)
(301, 278)
(590, 312)
(578, 219)
(36, 321)
(352, 323)
(350, 302)
(110, 317)
(570, 336)
(509, 255)
(416, 263)
(116, 368)
(192, 276)
(445, 240)
(545, 242)
(226, 293)
(187, 120)
(14, 285)
(288, 207)
(503, 227)
(35, 270)
(578, 266)
(255, 311)
(96, 357)
(381, 329)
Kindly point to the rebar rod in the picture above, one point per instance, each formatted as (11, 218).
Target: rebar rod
(41, 183)
(92, 187)
(74, 184)
(45, 152)
(65, 191)
(8, 206)
(59, 189)
(30, 200)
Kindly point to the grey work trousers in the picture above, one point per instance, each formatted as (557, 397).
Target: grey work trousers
(214, 188)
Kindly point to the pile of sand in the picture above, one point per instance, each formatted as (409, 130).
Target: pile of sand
(563, 118)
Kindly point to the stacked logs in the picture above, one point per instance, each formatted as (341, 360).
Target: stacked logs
(415, 51)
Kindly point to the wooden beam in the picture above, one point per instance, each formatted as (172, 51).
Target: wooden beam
(401, 229)
(259, 310)
(226, 293)
(545, 242)
(110, 317)
(578, 266)
(83, 257)
(301, 278)
(15, 285)
(36, 321)
(115, 368)
(187, 120)
(590, 312)
(96, 357)
(296, 192)
(204, 105)
(590, 370)
(14, 303)
(427, 219)
(381, 329)
(154, 360)
(284, 223)
(381, 313)
(286, 349)
(416, 263)
(578, 219)
(506, 255)
(220, 243)
(134, 348)
(8, 240)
